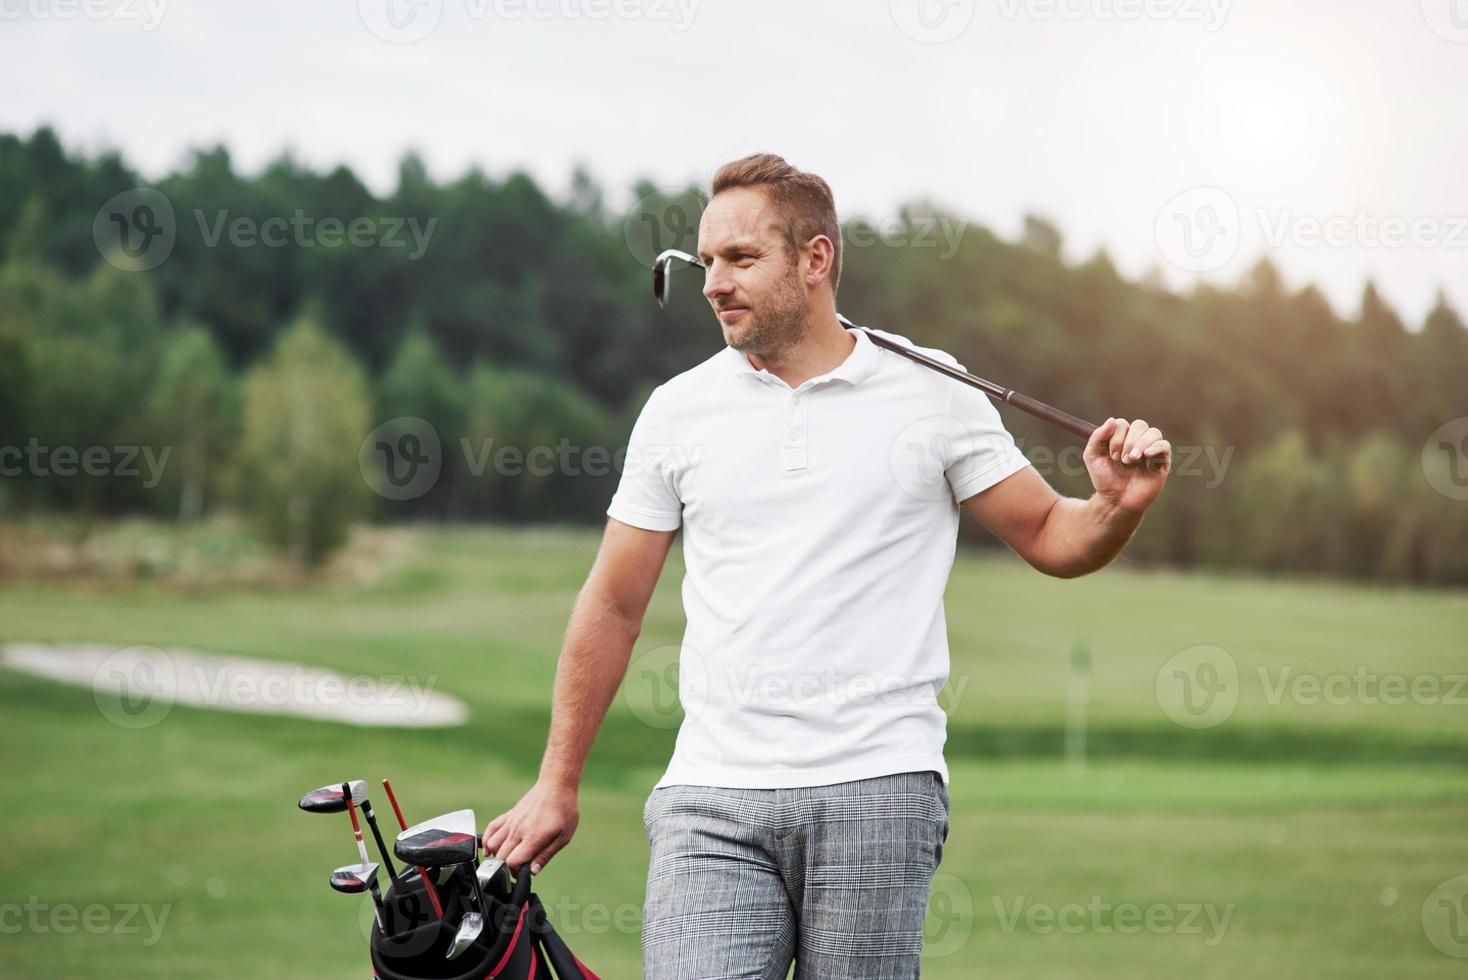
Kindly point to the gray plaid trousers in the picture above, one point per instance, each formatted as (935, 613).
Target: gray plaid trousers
(742, 881)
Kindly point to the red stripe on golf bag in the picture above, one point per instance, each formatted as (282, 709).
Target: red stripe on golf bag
(565, 964)
(514, 944)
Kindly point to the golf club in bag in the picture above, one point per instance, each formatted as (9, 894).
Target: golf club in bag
(477, 924)
(662, 267)
(517, 943)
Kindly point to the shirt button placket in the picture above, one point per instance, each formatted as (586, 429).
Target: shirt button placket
(795, 430)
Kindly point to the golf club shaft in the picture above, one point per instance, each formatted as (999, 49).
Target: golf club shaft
(392, 874)
(422, 872)
(478, 892)
(356, 825)
(381, 908)
(662, 268)
(1008, 396)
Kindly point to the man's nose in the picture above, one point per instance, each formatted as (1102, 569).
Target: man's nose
(716, 283)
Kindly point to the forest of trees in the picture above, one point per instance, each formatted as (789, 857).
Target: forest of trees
(260, 363)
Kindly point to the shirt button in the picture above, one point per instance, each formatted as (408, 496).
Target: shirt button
(794, 435)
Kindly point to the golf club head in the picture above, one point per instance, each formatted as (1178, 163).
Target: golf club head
(330, 799)
(448, 839)
(494, 879)
(662, 266)
(354, 878)
(469, 929)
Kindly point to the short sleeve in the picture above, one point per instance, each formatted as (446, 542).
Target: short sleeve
(647, 495)
(981, 450)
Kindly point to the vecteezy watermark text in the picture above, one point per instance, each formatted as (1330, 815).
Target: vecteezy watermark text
(305, 231)
(1201, 229)
(138, 229)
(1210, 13)
(1100, 917)
(406, 21)
(63, 919)
(37, 460)
(149, 13)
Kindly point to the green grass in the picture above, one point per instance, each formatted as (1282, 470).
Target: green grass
(1320, 829)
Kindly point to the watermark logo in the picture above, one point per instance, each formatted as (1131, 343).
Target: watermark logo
(660, 680)
(666, 218)
(136, 230)
(935, 231)
(1445, 459)
(36, 917)
(136, 687)
(1445, 917)
(932, 21)
(1447, 18)
(923, 453)
(148, 13)
(1102, 918)
(412, 906)
(1210, 464)
(142, 463)
(302, 230)
(1363, 687)
(1198, 687)
(1362, 229)
(402, 458)
(1210, 13)
(949, 921)
(400, 21)
(1199, 230)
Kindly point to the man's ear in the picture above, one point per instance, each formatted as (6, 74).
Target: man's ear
(820, 255)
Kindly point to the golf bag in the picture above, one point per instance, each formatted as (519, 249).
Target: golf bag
(518, 942)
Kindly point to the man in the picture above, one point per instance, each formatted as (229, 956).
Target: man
(817, 480)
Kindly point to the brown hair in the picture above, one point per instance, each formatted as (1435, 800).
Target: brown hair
(804, 200)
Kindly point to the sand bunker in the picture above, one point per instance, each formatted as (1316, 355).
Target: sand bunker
(138, 686)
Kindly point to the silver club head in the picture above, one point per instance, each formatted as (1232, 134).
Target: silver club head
(354, 879)
(469, 929)
(662, 266)
(494, 878)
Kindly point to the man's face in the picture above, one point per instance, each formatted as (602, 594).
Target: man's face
(753, 283)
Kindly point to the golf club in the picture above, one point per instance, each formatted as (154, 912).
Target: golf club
(356, 826)
(662, 267)
(422, 871)
(469, 929)
(443, 841)
(494, 879)
(354, 879)
(331, 799)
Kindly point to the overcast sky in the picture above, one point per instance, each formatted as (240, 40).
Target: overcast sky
(1187, 136)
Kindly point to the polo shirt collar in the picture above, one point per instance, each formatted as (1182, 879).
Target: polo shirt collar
(860, 364)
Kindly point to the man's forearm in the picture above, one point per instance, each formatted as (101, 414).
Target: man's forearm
(1080, 536)
(593, 661)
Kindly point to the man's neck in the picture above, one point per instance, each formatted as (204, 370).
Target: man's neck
(824, 347)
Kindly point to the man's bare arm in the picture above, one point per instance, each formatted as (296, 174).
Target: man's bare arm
(1065, 537)
(604, 625)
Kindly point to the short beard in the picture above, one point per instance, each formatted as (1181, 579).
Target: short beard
(780, 325)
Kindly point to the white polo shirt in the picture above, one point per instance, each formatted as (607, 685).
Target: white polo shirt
(819, 528)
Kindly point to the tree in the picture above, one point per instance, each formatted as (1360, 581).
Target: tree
(420, 383)
(191, 409)
(305, 414)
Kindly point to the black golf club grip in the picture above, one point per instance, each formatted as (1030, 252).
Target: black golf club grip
(1050, 414)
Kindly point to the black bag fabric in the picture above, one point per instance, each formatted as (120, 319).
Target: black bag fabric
(518, 941)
